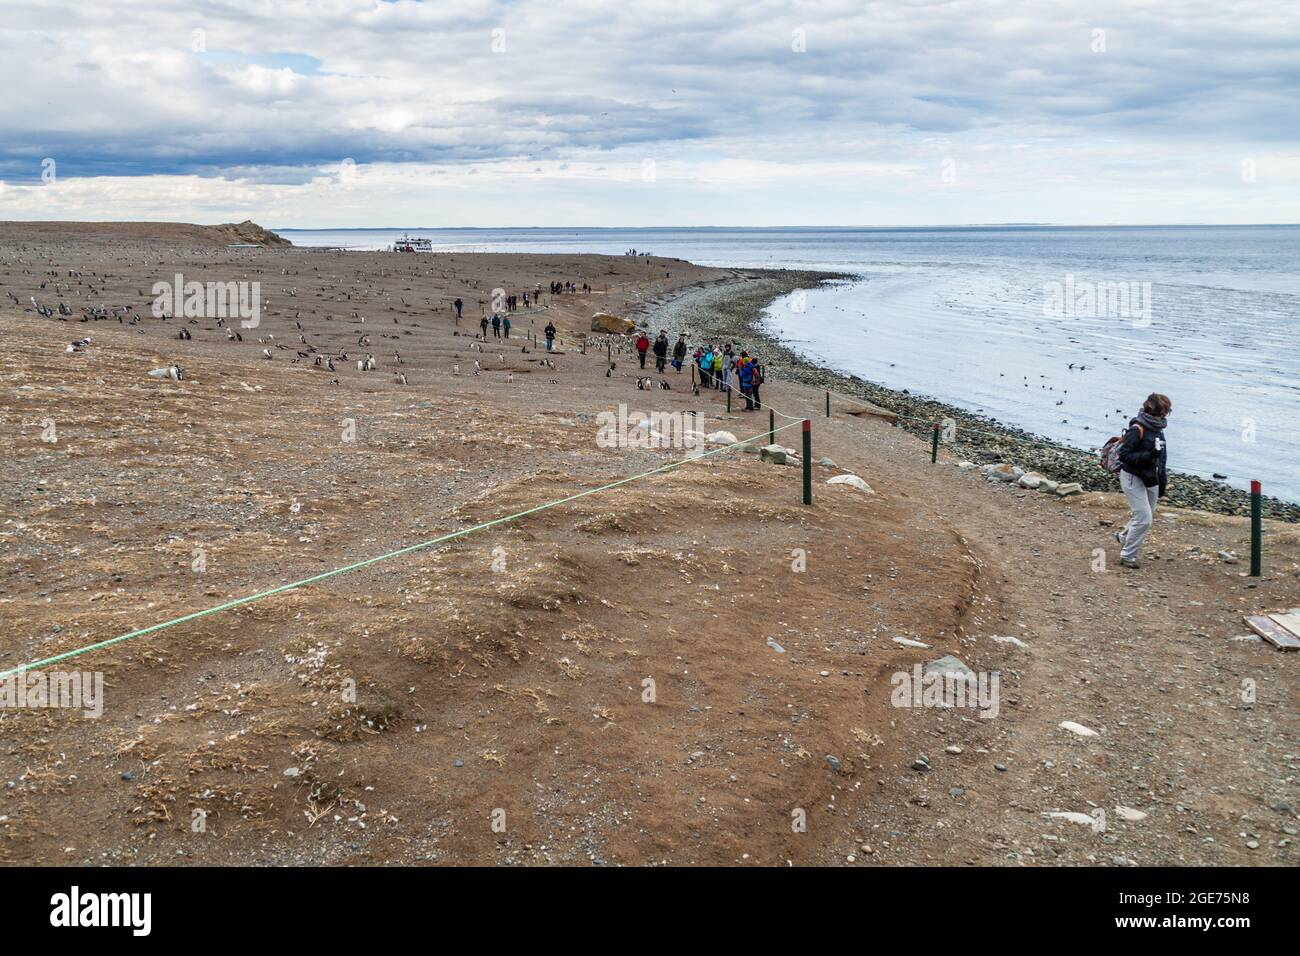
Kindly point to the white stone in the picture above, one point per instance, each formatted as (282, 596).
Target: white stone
(1080, 818)
(908, 642)
(1007, 639)
(853, 480)
(1078, 729)
(1129, 814)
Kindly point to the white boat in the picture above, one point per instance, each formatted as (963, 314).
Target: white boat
(413, 244)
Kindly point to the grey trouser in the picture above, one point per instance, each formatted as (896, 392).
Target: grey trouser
(1142, 502)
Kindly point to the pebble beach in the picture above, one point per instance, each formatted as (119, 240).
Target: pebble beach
(730, 310)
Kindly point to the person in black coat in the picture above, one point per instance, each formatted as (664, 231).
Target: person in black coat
(661, 351)
(1143, 474)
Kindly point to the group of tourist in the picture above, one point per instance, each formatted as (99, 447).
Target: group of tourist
(728, 367)
(723, 367)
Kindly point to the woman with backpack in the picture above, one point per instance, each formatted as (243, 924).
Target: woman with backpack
(1143, 475)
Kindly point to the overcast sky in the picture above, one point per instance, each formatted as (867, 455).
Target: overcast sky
(650, 112)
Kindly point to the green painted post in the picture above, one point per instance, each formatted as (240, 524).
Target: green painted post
(728, 399)
(771, 427)
(1256, 528)
(828, 404)
(807, 462)
(934, 445)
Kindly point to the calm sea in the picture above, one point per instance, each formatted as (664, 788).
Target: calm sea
(1062, 331)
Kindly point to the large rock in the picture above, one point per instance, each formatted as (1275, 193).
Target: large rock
(604, 322)
(1030, 479)
(775, 454)
(949, 665)
(1002, 472)
(1069, 488)
(721, 438)
(853, 480)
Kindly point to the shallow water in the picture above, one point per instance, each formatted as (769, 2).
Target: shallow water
(979, 318)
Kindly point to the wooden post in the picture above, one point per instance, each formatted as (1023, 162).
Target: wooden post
(807, 462)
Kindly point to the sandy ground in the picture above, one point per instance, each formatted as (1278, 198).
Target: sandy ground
(595, 682)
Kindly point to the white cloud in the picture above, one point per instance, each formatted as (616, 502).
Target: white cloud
(851, 130)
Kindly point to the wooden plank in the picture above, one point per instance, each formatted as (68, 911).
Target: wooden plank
(1274, 633)
(1289, 619)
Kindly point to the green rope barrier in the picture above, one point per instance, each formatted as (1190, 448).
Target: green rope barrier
(239, 602)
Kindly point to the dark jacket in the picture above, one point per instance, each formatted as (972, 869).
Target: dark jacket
(1144, 454)
(661, 346)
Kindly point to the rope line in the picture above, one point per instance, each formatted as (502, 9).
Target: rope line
(249, 599)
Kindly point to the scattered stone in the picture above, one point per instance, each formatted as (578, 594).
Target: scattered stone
(1227, 557)
(1077, 729)
(1069, 488)
(1081, 818)
(1030, 479)
(1007, 639)
(721, 438)
(952, 749)
(775, 646)
(908, 642)
(853, 480)
(949, 665)
(1129, 814)
(967, 465)
(920, 764)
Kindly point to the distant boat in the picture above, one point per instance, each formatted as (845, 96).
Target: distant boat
(413, 244)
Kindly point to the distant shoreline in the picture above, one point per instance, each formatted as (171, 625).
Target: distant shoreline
(730, 310)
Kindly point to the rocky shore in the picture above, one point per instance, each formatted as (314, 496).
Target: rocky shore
(728, 310)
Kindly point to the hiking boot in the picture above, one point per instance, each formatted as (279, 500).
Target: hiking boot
(1129, 563)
